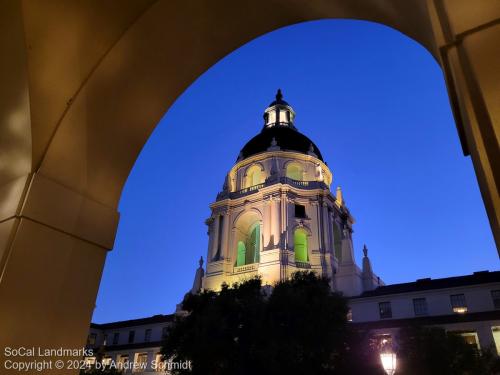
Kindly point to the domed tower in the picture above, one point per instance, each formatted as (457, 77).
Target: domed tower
(276, 214)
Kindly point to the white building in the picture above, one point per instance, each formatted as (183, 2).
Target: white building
(276, 215)
(468, 305)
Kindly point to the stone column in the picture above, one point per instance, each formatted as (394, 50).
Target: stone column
(53, 243)
(225, 235)
(469, 55)
(215, 243)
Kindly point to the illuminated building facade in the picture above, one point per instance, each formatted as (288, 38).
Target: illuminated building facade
(277, 215)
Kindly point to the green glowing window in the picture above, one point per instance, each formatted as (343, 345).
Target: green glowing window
(294, 171)
(300, 245)
(240, 259)
(253, 244)
(248, 251)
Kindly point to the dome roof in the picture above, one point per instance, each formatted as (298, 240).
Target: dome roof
(287, 139)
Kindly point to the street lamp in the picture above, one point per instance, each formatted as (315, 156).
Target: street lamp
(388, 359)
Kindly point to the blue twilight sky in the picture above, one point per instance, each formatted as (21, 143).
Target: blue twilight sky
(375, 103)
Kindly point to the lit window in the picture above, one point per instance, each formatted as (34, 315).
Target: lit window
(458, 303)
(131, 336)
(496, 338)
(495, 295)
(116, 338)
(248, 248)
(253, 176)
(122, 361)
(90, 361)
(160, 363)
(106, 361)
(105, 340)
(420, 306)
(141, 361)
(385, 310)
(349, 315)
(147, 335)
(295, 171)
(300, 245)
(470, 338)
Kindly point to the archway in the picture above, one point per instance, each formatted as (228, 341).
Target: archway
(61, 180)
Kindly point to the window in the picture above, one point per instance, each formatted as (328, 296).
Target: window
(141, 360)
(349, 315)
(106, 361)
(160, 363)
(470, 338)
(253, 176)
(91, 339)
(495, 330)
(300, 211)
(105, 340)
(122, 361)
(458, 303)
(164, 332)
(116, 337)
(147, 335)
(248, 248)
(420, 306)
(131, 336)
(300, 245)
(294, 171)
(495, 295)
(90, 361)
(385, 310)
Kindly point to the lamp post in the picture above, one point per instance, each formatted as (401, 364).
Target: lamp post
(388, 358)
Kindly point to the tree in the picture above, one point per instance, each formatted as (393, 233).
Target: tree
(299, 328)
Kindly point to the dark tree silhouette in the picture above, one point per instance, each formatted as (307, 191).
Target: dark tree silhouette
(297, 328)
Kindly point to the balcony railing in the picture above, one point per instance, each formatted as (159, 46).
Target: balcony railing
(308, 185)
(246, 268)
(302, 264)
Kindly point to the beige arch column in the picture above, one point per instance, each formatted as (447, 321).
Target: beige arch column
(467, 35)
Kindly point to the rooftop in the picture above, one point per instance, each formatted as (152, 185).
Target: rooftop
(134, 322)
(480, 277)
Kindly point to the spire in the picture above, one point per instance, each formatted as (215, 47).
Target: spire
(368, 276)
(279, 96)
(346, 247)
(339, 196)
(198, 278)
(279, 113)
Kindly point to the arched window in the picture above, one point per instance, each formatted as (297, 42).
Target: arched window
(294, 171)
(300, 245)
(240, 258)
(248, 245)
(253, 176)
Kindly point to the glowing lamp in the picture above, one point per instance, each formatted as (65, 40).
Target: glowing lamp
(388, 360)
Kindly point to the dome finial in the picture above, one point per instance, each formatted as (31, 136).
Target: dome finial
(279, 95)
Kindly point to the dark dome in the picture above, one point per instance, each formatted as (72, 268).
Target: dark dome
(287, 139)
